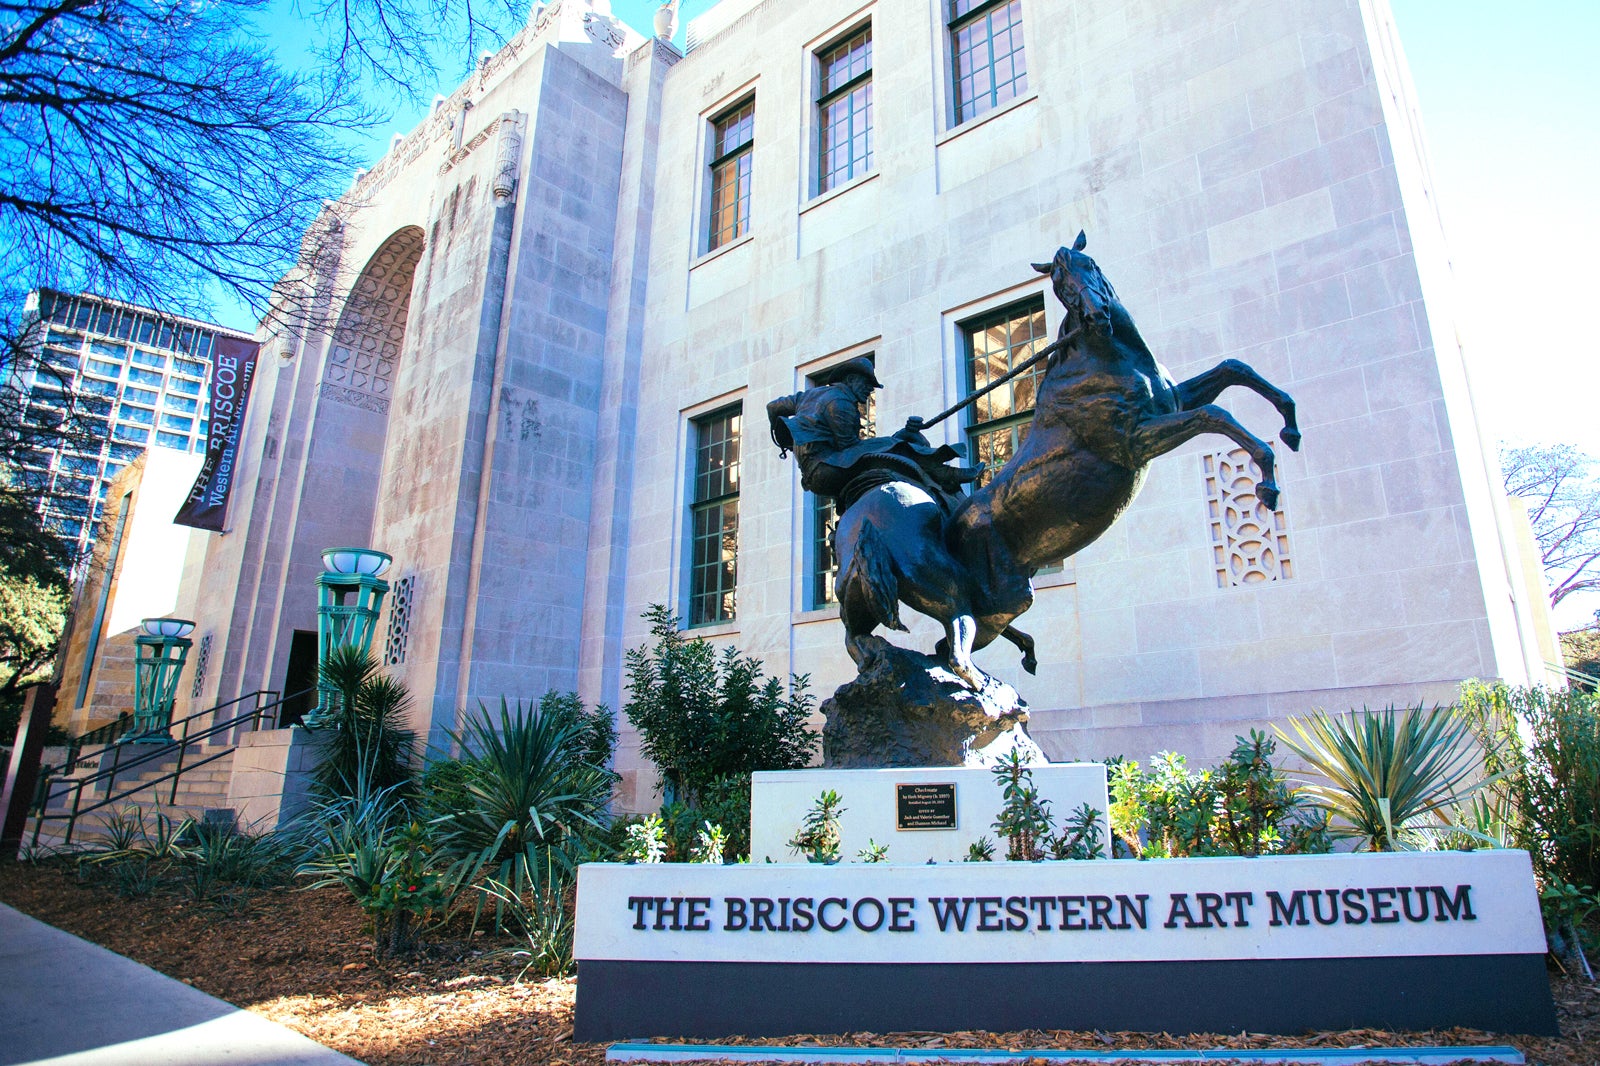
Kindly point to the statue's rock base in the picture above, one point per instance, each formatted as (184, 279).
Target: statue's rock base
(908, 709)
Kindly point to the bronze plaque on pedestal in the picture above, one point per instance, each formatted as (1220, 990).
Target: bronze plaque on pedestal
(925, 806)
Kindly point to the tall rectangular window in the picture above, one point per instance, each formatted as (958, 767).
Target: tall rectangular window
(844, 109)
(732, 146)
(714, 503)
(824, 516)
(995, 344)
(988, 66)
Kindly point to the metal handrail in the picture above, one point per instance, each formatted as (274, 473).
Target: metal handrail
(75, 755)
(77, 785)
(1573, 675)
(104, 735)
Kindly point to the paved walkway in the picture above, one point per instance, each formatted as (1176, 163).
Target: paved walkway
(66, 1002)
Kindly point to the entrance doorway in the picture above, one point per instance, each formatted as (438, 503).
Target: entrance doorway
(300, 679)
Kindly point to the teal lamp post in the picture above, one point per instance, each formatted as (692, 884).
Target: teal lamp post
(350, 593)
(159, 651)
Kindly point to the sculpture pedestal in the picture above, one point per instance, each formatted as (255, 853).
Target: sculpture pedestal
(908, 709)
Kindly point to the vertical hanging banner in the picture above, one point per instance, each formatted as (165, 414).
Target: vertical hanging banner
(233, 371)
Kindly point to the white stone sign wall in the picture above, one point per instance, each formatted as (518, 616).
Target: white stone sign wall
(1284, 945)
(779, 800)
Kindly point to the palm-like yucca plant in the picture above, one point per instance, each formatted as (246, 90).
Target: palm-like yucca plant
(369, 736)
(530, 789)
(1386, 776)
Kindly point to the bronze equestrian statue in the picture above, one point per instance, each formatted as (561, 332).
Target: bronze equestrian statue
(1105, 409)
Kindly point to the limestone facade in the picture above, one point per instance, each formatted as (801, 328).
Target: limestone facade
(524, 321)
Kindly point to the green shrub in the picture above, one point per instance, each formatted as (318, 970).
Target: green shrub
(644, 841)
(1024, 819)
(1541, 752)
(211, 863)
(724, 802)
(818, 838)
(544, 911)
(1391, 778)
(704, 715)
(1243, 807)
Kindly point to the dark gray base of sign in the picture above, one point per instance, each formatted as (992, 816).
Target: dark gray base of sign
(1497, 993)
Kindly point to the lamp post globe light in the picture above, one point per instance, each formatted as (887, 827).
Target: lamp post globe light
(350, 593)
(159, 653)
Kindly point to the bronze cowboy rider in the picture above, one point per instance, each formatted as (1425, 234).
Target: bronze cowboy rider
(822, 425)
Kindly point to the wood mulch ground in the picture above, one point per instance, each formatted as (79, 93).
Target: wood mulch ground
(302, 959)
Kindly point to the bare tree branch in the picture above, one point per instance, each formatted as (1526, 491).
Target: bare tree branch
(1562, 488)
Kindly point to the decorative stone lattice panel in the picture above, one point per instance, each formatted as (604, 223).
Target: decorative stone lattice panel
(400, 601)
(372, 327)
(201, 661)
(1249, 542)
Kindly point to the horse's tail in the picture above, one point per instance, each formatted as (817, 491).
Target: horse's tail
(871, 572)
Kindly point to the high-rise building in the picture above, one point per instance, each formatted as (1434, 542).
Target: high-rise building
(139, 376)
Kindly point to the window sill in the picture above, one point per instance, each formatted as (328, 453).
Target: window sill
(993, 113)
(819, 614)
(724, 250)
(712, 629)
(838, 190)
(1055, 580)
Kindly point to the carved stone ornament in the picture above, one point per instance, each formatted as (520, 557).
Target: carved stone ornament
(1249, 540)
(354, 398)
(508, 159)
(666, 23)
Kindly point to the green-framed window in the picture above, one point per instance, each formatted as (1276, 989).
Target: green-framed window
(732, 152)
(987, 63)
(994, 345)
(714, 516)
(844, 109)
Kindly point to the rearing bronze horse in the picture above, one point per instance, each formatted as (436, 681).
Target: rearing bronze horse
(1105, 409)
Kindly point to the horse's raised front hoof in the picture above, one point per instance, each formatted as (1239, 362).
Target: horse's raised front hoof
(1291, 437)
(1269, 494)
(1030, 663)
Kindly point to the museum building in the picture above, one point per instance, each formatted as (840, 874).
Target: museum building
(556, 310)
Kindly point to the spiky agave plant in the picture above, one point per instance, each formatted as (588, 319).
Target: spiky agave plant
(1386, 776)
(531, 788)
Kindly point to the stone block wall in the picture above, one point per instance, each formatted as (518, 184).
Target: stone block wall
(1234, 168)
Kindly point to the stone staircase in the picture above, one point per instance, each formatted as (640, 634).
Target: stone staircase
(201, 793)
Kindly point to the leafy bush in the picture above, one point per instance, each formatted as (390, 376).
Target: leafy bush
(1080, 838)
(1541, 752)
(1026, 825)
(818, 838)
(725, 802)
(645, 841)
(545, 912)
(367, 737)
(1024, 820)
(702, 715)
(1390, 778)
(1243, 807)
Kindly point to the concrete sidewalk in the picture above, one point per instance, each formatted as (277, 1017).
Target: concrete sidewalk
(67, 1002)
